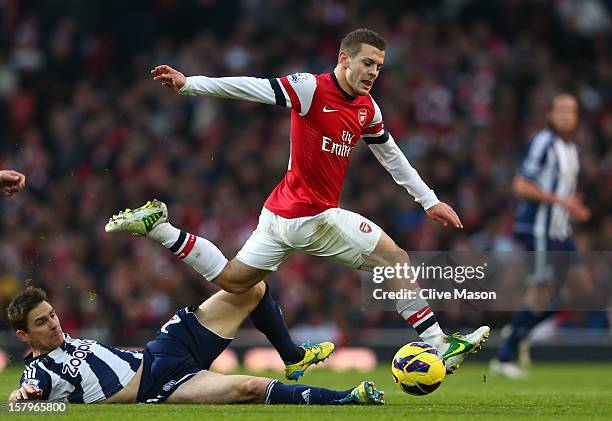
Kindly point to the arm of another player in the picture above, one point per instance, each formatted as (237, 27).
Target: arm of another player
(395, 162)
(528, 189)
(11, 182)
(294, 91)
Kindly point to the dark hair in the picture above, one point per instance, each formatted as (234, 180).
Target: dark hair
(22, 304)
(351, 43)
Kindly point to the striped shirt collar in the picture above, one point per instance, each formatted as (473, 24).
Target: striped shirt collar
(53, 354)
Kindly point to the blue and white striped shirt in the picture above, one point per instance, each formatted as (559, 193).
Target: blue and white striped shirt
(81, 371)
(553, 164)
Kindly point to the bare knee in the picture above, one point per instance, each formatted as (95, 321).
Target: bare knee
(232, 283)
(239, 278)
(236, 288)
(258, 291)
(386, 253)
(253, 296)
(253, 389)
(385, 258)
(401, 256)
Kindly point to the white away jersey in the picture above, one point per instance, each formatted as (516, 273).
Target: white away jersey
(553, 164)
(81, 371)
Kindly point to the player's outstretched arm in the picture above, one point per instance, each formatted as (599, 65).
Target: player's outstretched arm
(275, 91)
(11, 182)
(444, 215)
(169, 77)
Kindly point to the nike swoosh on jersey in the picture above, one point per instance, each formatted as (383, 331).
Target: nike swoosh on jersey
(328, 110)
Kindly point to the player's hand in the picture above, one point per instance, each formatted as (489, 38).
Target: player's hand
(169, 77)
(576, 209)
(11, 182)
(26, 392)
(444, 215)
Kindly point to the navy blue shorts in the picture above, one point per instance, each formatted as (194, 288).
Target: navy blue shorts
(182, 348)
(548, 261)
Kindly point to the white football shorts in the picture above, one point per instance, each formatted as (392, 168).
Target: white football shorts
(341, 235)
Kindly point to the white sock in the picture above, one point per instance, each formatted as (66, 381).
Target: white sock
(197, 252)
(165, 234)
(420, 316)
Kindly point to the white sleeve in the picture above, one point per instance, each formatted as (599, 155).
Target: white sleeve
(533, 163)
(240, 87)
(294, 91)
(395, 162)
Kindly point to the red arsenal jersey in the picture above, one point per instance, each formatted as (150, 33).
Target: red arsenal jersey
(326, 123)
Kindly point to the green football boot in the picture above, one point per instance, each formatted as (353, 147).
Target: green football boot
(364, 394)
(139, 221)
(314, 354)
(460, 346)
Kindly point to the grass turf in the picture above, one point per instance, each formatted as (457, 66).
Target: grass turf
(553, 391)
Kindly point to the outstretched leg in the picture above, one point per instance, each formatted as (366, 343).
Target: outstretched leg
(418, 313)
(234, 277)
(223, 313)
(151, 220)
(215, 388)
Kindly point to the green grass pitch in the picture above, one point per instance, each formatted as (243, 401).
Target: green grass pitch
(553, 391)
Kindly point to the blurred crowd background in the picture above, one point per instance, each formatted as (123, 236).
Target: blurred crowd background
(464, 85)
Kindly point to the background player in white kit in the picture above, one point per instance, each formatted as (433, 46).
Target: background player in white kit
(546, 185)
(330, 113)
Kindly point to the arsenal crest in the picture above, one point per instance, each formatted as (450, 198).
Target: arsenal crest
(362, 115)
(365, 227)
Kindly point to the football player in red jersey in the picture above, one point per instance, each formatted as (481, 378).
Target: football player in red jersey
(329, 114)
